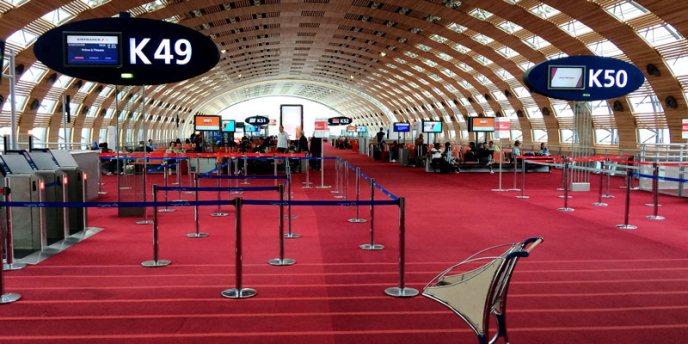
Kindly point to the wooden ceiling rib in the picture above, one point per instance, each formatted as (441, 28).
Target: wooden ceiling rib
(375, 60)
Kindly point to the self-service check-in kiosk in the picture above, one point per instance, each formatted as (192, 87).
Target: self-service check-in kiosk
(72, 184)
(33, 229)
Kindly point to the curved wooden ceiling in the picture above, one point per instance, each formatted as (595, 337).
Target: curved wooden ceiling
(377, 61)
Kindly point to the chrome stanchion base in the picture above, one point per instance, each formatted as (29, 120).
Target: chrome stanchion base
(357, 220)
(600, 204)
(197, 235)
(307, 187)
(560, 189)
(656, 218)
(523, 197)
(13, 266)
(335, 191)
(9, 298)
(102, 192)
(234, 293)
(608, 196)
(292, 236)
(513, 189)
(144, 222)
(281, 262)
(501, 190)
(371, 247)
(124, 187)
(307, 183)
(401, 292)
(156, 263)
(237, 192)
(339, 196)
(188, 192)
(566, 209)
(561, 196)
(323, 187)
(652, 205)
(167, 210)
(626, 226)
(245, 183)
(218, 214)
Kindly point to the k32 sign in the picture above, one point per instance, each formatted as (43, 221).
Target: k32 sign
(127, 51)
(584, 78)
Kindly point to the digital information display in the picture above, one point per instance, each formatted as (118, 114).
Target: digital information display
(566, 78)
(251, 128)
(206, 123)
(228, 126)
(432, 127)
(362, 129)
(291, 118)
(481, 124)
(92, 49)
(402, 127)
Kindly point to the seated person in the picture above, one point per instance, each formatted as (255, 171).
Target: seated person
(436, 155)
(470, 155)
(485, 154)
(543, 149)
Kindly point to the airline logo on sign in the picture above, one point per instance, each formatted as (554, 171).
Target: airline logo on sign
(503, 124)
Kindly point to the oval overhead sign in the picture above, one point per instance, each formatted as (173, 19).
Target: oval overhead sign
(584, 78)
(257, 120)
(127, 51)
(341, 120)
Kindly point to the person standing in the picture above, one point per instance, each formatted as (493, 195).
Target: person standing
(282, 140)
(380, 139)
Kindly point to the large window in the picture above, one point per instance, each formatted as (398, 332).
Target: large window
(650, 136)
(606, 136)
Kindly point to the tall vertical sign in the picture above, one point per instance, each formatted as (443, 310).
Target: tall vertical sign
(321, 128)
(684, 129)
(291, 118)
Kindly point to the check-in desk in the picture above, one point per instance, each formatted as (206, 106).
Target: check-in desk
(33, 229)
(63, 164)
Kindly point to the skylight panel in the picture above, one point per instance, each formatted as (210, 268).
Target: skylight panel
(575, 28)
(33, 74)
(524, 66)
(445, 57)
(423, 47)
(456, 27)
(461, 48)
(22, 38)
(507, 52)
(482, 60)
(430, 63)
(509, 27)
(399, 60)
(480, 13)
(482, 39)
(660, 34)
(604, 48)
(57, 17)
(94, 3)
(536, 42)
(418, 68)
(626, 10)
(448, 73)
(63, 81)
(543, 11)
(410, 54)
(438, 38)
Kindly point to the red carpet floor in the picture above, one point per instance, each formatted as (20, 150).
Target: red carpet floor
(588, 283)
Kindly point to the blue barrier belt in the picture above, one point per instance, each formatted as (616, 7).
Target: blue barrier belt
(49, 185)
(669, 179)
(319, 203)
(212, 188)
(213, 170)
(240, 177)
(186, 203)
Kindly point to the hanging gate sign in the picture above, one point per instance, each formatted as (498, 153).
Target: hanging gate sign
(127, 51)
(341, 120)
(584, 78)
(258, 121)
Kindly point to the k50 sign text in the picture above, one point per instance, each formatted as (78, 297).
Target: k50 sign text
(127, 51)
(584, 78)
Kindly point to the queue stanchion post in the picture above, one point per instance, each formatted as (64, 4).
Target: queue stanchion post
(515, 188)
(629, 186)
(372, 246)
(236, 174)
(523, 180)
(358, 219)
(177, 171)
(65, 211)
(655, 194)
(342, 179)
(609, 182)
(346, 183)
(307, 184)
(190, 177)
(499, 188)
(218, 212)
(566, 208)
(655, 186)
(402, 290)
(8, 244)
(238, 292)
(599, 202)
(6, 297)
(281, 261)
(245, 182)
(290, 234)
(337, 166)
(165, 179)
(322, 168)
(156, 262)
(196, 234)
(100, 178)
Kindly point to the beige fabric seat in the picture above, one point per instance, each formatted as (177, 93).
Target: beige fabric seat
(478, 293)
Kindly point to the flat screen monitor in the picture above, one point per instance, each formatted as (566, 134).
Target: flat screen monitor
(481, 124)
(566, 78)
(206, 123)
(228, 126)
(432, 126)
(361, 129)
(84, 49)
(291, 118)
(251, 128)
(402, 127)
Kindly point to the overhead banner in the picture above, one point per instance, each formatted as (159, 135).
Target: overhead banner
(321, 128)
(258, 121)
(341, 120)
(127, 51)
(503, 128)
(584, 78)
